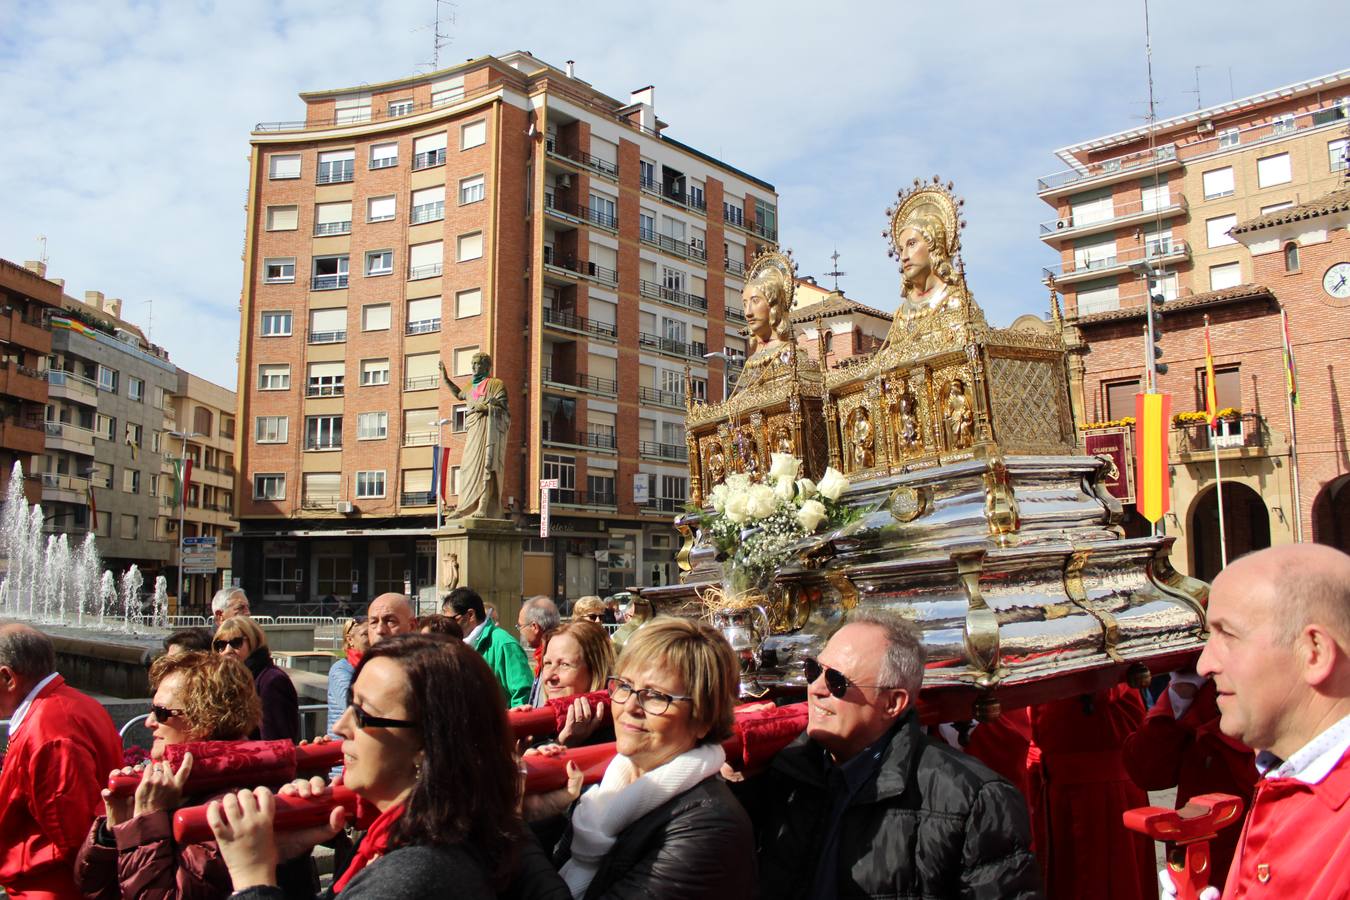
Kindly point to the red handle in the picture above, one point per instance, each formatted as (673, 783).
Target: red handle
(222, 765)
(292, 814)
(548, 719)
(1190, 828)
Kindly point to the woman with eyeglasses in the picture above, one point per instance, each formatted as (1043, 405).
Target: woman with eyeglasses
(589, 609)
(662, 822)
(241, 638)
(130, 851)
(578, 659)
(427, 747)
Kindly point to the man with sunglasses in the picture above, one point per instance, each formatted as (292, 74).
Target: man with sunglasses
(864, 804)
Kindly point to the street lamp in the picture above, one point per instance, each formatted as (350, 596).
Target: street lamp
(183, 438)
(440, 423)
(726, 364)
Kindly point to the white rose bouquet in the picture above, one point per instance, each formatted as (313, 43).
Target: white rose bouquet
(754, 525)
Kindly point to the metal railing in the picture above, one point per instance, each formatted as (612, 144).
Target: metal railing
(428, 271)
(419, 438)
(1118, 213)
(584, 439)
(1130, 163)
(734, 266)
(569, 263)
(186, 621)
(676, 452)
(672, 399)
(424, 326)
(1154, 250)
(674, 246)
(328, 228)
(670, 345)
(417, 498)
(319, 501)
(577, 211)
(582, 497)
(325, 390)
(62, 377)
(327, 337)
(563, 319)
(587, 382)
(595, 164)
(428, 159)
(735, 314)
(420, 383)
(328, 282)
(672, 295)
(427, 212)
(665, 504)
(336, 174)
(1247, 430)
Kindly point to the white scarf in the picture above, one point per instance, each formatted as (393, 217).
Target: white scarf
(620, 800)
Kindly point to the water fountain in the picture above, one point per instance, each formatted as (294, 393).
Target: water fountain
(160, 613)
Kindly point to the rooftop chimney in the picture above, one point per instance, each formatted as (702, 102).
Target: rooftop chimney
(37, 267)
(571, 68)
(645, 99)
(94, 299)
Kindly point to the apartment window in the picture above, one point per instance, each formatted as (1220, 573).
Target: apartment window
(600, 489)
(279, 271)
(323, 432)
(696, 199)
(447, 91)
(372, 426)
(424, 315)
(419, 371)
(733, 213)
(380, 209)
(375, 317)
(459, 418)
(1218, 182)
(646, 226)
(380, 262)
(468, 303)
(330, 273)
(374, 372)
(603, 212)
(1216, 230)
(131, 528)
(563, 468)
(328, 326)
(647, 172)
(464, 360)
(766, 219)
(283, 165)
(1227, 387)
(135, 389)
(135, 436)
(419, 427)
(1283, 124)
(370, 483)
(474, 134)
(383, 156)
(400, 108)
(425, 260)
(1119, 397)
(336, 166)
(471, 189)
(1225, 276)
(269, 487)
(283, 218)
(428, 205)
(107, 379)
(469, 247)
(326, 379)
(1338, 154)
(1291, 257)
(271, 429)
(157, 442)
(131, 481)
(1273, 170)
(1098, 297)
(276, 323)
(1229, 137)
(1157, 240)
(160, 397)
(429, 151)
(352, 109)
(332, 218)
(274, 377)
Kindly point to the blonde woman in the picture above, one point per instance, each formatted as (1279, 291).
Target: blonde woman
(242, 638)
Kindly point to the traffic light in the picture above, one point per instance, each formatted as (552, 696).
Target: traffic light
(1155, 317)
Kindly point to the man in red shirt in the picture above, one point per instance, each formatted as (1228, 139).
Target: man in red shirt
(1279, 654)
(62, 745)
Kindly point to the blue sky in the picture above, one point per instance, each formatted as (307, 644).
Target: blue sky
(127, 123)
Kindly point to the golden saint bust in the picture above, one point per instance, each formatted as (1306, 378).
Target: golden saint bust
(925, 235)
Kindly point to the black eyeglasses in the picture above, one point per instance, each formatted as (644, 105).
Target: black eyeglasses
(836, 682)
(234, 643)
(162, 714)
(365, 720)
(652, 701)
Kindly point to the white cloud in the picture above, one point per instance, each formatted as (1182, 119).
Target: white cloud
(127, 123)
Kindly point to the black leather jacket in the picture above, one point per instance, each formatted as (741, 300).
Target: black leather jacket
(697, 845)
(932, 822)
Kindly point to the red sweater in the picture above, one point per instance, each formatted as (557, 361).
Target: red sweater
(49, 790)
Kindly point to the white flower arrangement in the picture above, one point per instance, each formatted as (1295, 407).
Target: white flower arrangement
(754, 525)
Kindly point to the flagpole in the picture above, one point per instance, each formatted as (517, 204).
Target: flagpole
(1293, 427)
(1218, 487)
(1212, 420)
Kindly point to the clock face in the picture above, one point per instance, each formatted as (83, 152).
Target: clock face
(1337, 281)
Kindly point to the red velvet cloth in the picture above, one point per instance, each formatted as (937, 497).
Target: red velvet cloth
(763, 732)
(1083, 844)
(561, 705)
(354, 656)
(374, 845)
(222, 765)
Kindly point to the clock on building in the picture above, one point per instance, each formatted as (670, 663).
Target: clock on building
(1337, 281)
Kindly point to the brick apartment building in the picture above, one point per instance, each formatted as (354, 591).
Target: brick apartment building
(1235, 208)
(506, 206)
(26, 299)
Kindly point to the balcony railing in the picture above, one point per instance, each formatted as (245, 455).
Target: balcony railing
(658, 397)
(421, 383)
(683, 198)
(419, 438)
(600, 440)
(1122, 214)
(417, 498)
(319, 501)
(765, 231)
(563, 319)
(1154, 251)
(332, 174)
(428, 159)
(734, 266)
(676, 452)
(587, 382)
(1247, 430)
(427, 212)
(576, 211)
(589, 270)
(424, 326)
(673, 246)
(608, 169)
(328, 228)
(669, 345)
(570, 438)
(60, 377)
(428, 271)
(665, 504)
(324, 390)
(581, 497)
(328, 337)
(1133, 162)
(671, 295)
(328, 282)
(735, 314)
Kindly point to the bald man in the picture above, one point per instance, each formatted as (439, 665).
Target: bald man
(1279, 654)
(62, 745)
(388, 615)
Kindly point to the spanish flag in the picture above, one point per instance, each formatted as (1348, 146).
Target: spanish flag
(1290, 374)
(1152, 412)
(1211, 398)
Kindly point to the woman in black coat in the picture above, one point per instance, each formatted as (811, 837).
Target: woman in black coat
(243, 639)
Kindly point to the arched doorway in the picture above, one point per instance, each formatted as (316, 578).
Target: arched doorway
(1246, 523)
(1331, 514)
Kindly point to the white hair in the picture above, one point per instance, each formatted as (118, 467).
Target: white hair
(222, 599)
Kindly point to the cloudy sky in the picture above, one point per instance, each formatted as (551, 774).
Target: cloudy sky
(126, 124)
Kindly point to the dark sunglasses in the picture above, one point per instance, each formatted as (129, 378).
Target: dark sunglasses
(234, 643)
(365, 720)
(163, 715)
(594, 617)
(836, 682)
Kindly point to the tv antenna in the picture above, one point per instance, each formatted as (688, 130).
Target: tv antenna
(42, 255)
(1196, 92)
(439, 38)
(834, 257)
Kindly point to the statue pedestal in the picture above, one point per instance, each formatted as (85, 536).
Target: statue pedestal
(488, 556)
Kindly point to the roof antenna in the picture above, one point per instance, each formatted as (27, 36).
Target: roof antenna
(438, 38)
(836, 273)
(1196, 92)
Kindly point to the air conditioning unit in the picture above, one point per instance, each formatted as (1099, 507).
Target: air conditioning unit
(345, 507)
(1066, 222)
(563, 181)
(1205, 127)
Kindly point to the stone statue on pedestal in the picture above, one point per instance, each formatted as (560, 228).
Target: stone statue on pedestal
(487, 422)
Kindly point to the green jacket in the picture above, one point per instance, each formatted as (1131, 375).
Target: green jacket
(507, 660)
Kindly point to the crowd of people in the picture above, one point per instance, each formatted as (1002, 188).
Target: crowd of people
(866, 801)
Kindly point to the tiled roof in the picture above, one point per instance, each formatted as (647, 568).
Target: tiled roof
(1336, 201)
(1208, 298)
(836, 305)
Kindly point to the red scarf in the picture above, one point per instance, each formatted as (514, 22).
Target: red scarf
(373, 845)
(354, 656)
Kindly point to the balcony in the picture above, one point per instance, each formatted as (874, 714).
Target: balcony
(327, 337)
(565, 436)
(583, 498)
(735, 314)
(671, 295)
(578, 158)
(427, 212)
(319, 501)
(1160, 254)
(671, 346)
(674, 246)
(1109, 171)
(328, 282)
(1247, 431)
(665, 504)
(324, 390)
(429, 159)
(1123, 215)
(424, 326)
(658, 397)
(681, 198)
(419, 438)
(569, 267)
(569, 322)
(336, 174)
(72, 438)
(23, 382)
(417, 498)
(607, 386)
(657, 450)
(429, 271)
(62, 385)
(421, 383)
(734, 266)
(58, 488)
(573, 212)
(769, 233)
(326, 229)
(29, 437)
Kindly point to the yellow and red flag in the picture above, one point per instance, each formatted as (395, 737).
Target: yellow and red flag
(1211, 397)
(1290, 373)
(1152, 413)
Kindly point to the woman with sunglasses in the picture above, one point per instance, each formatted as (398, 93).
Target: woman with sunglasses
(242, 638)
(662, 823)
(589, 609)
(427, 746)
